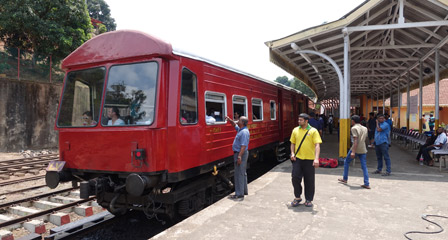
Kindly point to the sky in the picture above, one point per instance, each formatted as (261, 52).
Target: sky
(231, 32)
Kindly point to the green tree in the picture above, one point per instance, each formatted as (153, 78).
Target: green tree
(99, 10)
(44, 27)
(301, 86)
(283, 80)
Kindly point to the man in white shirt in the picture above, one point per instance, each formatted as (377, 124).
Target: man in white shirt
(114, 115)
(440, 141)
(208, 117)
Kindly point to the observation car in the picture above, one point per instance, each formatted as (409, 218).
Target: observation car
(163, 157)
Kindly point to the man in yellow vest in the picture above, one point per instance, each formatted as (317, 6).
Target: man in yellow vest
(305, 150)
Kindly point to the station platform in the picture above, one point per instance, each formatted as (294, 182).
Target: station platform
(391, 208)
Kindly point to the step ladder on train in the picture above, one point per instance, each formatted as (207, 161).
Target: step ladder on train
(282, 151)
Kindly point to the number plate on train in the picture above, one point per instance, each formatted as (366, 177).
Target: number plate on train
(56, 166)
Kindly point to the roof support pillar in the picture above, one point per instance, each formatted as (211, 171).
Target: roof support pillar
(408, 101)
(401, 18)
(344, 128)
(390, 104)
(420, 98)
(371, 102)
(377, 103)
(343, 93)
(437, 78)
(384, 103)
(366, 112)
(399, 105)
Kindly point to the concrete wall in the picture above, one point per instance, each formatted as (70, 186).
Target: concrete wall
(27, 114)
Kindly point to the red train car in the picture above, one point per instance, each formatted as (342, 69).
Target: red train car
(141, 125)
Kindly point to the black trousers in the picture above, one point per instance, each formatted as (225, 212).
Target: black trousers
(303, 169)
(426, 155)
(420, 152)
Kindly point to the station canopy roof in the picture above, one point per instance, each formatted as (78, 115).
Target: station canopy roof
(385, 45)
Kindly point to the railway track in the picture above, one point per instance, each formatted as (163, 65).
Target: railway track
(48, 210)
(15, 181)
(23, 165)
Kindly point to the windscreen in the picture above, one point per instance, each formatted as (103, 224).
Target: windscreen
(81, 99)
(130, 94)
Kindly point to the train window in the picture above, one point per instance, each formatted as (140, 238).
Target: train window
(257, 109)
(215, 107)
(273, 110)
(189, 98)
(130, 94)
(81, 99)
(239, 107)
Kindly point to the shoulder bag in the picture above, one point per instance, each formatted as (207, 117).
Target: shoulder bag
(301, 144)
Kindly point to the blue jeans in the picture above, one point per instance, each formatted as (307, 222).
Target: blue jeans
(362, 159)
(240, 174)
(382, 150)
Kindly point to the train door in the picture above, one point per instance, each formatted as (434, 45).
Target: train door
(189, 133)
(280, 114)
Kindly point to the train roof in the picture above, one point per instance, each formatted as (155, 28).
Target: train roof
(211, 62)
(126, 44)
(110, 46)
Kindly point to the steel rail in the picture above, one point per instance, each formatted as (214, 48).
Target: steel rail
(16, 165)
(35, 197)
(10, 182)
(44, 212)
(24, 189)
(29, 158)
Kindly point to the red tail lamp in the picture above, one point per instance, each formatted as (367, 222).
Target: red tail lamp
(140, 154)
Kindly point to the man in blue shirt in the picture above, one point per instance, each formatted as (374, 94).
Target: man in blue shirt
(315, 123)
(382, 144)
(240, 155)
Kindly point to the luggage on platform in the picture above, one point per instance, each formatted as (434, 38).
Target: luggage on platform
(328, 162)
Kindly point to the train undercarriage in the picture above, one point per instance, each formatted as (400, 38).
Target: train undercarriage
(153, 195)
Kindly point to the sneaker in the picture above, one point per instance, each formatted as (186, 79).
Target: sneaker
(365, 186)
(377, 172)
(386, 174)
(236, 198)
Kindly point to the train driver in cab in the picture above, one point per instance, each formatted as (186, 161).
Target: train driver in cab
(87, 119)
(114, 116)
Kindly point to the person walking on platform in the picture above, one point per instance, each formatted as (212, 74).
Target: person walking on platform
(382, 144)
(240, 155)
(305, 149)
(359, 134)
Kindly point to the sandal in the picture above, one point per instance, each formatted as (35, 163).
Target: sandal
(295, 202)
(308, 203)
(365, 186)
(341, 180)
